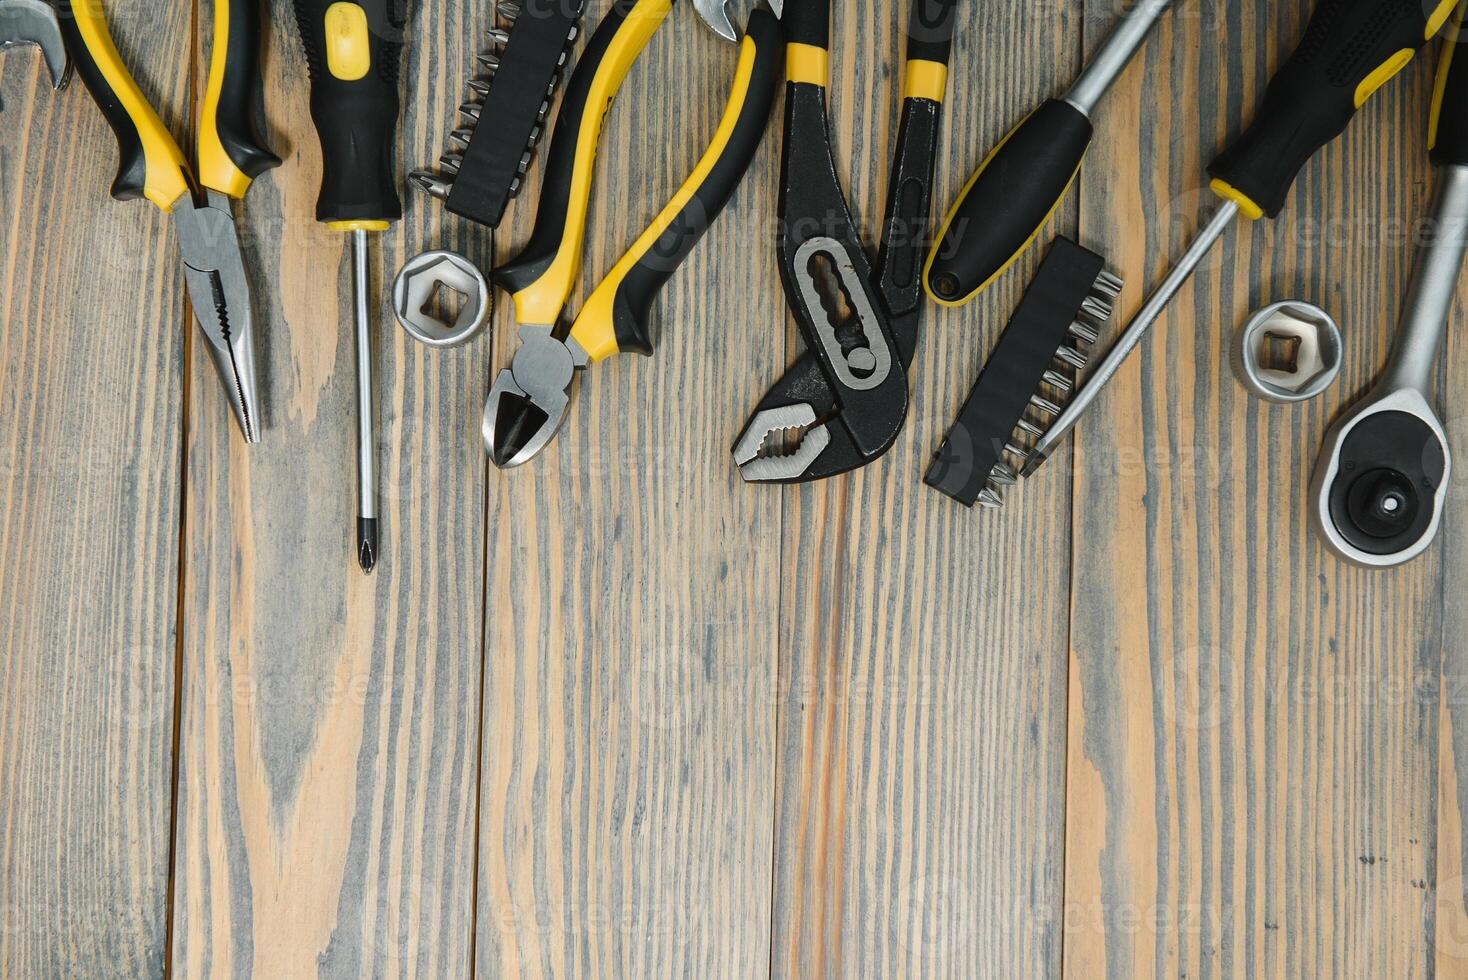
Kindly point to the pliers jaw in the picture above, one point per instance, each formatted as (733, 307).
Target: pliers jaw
(530, 398)
(219, 290)
(798, 433)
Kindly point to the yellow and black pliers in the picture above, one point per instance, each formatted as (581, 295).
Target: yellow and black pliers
(529, 399)
(231, 154)
(844, 402)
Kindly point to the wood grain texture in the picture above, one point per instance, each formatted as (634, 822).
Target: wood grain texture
(922, 709)
(632, 592)
(1448, 898)
(1252, 772)
(92, 319)
(618, 714)
(329, 721)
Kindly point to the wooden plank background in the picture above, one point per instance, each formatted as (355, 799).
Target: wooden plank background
(618, 714)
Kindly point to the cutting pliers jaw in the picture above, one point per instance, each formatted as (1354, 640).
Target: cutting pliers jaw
(530, 398)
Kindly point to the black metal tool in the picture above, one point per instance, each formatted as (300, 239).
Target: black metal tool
(517, 77)
(844, 402)
(1028, 378)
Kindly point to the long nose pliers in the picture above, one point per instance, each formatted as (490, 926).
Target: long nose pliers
(231, 154)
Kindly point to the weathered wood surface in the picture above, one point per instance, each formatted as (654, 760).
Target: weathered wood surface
(632, 594)
(329, 721)
(922, 698)
(617, 714)
(1253, 768)
(91, 419)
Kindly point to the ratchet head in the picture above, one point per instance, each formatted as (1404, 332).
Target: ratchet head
(529, 399)
(219, 291)
(34, 22)
(1379, 487)
(716, 14)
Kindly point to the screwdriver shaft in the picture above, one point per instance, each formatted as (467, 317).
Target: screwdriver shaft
(1114, 54)
(1223, 216)
(366, 421)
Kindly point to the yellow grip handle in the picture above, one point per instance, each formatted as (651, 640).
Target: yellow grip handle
(151, 165)
(542, 276)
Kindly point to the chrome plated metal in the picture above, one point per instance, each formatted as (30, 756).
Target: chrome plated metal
(1114, 54)
(1405, 385)
(1151, 311)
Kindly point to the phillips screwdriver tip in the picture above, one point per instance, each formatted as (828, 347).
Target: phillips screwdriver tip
(367, 543)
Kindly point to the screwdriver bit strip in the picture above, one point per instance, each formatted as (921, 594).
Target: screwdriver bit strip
(1029, 378)
(485, 166)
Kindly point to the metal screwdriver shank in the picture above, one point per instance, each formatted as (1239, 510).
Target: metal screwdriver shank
(366, 422)
(1151, 311)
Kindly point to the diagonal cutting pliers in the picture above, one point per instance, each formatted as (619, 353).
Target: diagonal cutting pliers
(530, 399)
(231, 154)
(844, 402)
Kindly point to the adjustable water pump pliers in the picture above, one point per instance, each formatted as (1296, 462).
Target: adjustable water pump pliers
(231, 154)
(530, 399)
(845, 400)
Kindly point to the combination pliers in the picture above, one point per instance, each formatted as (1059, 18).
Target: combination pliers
(844, 402)
(231, 154)
(530, 399)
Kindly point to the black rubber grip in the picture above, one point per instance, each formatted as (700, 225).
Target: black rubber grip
(357, 120)
(1013, 372)
(1007, 200)
(1449, 127)
(1313, 96)
(646, 279)
(808, 22)
(237, 121)
(930, 30)
(547, 238)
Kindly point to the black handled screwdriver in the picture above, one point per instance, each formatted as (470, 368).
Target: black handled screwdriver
(354, 52)
(1350, 49)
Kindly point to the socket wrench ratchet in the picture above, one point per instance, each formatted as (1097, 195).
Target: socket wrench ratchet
(1377, 495)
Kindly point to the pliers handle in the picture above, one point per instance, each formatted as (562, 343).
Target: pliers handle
(231, 152)
(541, 277)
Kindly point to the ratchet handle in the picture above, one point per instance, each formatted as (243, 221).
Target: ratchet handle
(542, 276)
(1447, 131)
(150, 163)
(232, 149)
(1350, 49)
(354, 54)
(615, 318)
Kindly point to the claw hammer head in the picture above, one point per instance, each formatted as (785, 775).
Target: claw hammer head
(715, 14)
(34, 22)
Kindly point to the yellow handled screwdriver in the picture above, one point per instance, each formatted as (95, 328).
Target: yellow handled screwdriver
(354, 52)
(1350, 49)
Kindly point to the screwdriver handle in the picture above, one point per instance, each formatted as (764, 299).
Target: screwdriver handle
(614, 319)
(232, 149)
(541, 277)
(354, 52)
(1447, 129)
(1350, 49)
